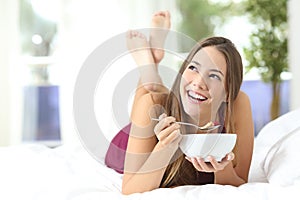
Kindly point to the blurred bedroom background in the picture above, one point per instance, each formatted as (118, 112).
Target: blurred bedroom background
(45, 42)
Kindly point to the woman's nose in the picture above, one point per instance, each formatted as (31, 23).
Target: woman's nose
(200, 82)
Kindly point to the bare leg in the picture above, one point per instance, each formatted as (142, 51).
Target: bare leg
(161, 24)
(142, 55)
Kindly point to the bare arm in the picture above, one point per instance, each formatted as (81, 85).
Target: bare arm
(237, 175)
(148, 153)
(146, 157)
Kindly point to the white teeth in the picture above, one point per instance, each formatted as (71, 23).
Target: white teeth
(195, 95)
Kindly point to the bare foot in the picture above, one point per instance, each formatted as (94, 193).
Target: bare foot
(160, 25)
(140, 50)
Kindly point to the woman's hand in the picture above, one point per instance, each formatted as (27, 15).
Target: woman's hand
(167, 131)
(212, 165)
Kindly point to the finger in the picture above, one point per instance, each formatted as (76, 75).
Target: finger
(167, 131)
(162, 116)
(189, 159)
(170, 138)
(207, 167)
(217, 165)
(224, 162)
(230, 156)
(178, 139)
(197, 164)
(163, 123)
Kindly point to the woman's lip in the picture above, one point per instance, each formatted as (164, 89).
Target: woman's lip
(192, 98)
(193, 101)
(196, 94)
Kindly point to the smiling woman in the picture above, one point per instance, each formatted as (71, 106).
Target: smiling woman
(207, 88)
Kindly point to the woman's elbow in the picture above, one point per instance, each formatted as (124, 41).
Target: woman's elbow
(127, 190)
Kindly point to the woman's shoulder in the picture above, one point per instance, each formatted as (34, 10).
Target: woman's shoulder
(242, 99)
(242, 109)
(242, 95)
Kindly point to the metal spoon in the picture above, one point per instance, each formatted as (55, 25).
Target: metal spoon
(203, 128)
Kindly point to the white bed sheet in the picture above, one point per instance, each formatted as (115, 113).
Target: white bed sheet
(70, 173)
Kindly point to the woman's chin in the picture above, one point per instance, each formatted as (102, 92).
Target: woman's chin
(191, 113)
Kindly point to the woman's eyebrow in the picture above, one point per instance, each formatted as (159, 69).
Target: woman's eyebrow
(195, 62)
(214, 70)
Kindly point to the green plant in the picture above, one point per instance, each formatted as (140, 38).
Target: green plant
(268, 44)
(200, 17)
(31, 24)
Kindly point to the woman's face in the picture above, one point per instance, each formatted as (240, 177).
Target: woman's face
(202, 87)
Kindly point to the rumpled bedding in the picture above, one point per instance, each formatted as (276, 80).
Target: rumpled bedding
(69, 172)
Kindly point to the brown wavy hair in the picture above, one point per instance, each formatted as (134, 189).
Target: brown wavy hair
(233, 81)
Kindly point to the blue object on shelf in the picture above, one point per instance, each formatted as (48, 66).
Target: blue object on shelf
(41, 121)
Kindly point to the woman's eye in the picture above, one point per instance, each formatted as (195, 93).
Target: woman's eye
(215, 76)
(193, 68)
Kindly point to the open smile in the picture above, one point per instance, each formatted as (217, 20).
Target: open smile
(196, 97)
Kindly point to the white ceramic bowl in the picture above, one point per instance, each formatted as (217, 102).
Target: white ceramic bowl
(203, 145)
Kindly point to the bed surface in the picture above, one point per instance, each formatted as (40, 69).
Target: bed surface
(69, 172)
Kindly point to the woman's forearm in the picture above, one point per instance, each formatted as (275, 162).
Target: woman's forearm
(149, 175)
(228, 176)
